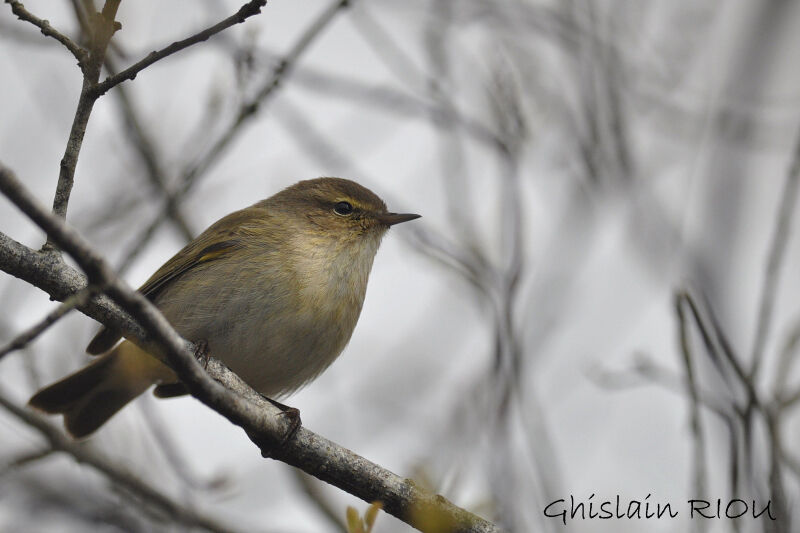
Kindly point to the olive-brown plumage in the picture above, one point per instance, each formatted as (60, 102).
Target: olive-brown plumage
(275, 290)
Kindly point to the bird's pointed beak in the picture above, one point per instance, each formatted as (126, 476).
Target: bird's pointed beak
(390, 219)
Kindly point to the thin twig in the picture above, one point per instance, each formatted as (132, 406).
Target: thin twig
(387, 98)
(23, 14)
(246, 11)
(249, 108)
(787, 358)
(77, 300)
(174, 454)
(25, 459)
(147, 152)
(695, 419)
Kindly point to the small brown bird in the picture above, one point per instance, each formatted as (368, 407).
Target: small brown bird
(274, 290)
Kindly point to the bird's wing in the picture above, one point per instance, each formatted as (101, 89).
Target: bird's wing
(217, 242)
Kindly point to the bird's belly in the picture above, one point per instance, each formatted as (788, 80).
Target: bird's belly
(273, 340)
(276, 357)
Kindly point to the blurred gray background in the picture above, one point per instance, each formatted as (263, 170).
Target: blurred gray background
(594, 178)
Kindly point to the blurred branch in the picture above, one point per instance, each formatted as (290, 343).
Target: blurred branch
(25, 459)
(389, 52)
(787, 359)
(385, 98)
(311, 489)
(44, 26)
(173, 453)
(247, 10)
(775, 257)
(193, 172)
(395, 101)
(78, 299)
(219, 388)
(710, 335)
(314, 142)
(148, 154)
(652, 373)
(151, 496)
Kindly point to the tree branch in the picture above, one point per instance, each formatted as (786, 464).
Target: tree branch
(248, 10)
(228, 395)
(44, 26)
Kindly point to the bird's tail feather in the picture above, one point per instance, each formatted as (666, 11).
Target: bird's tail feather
(92, 395)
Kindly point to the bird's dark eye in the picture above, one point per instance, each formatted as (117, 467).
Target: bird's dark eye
(343, 208)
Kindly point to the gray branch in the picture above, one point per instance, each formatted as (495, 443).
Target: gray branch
(248, 10)
(226, 393)
(44, 26)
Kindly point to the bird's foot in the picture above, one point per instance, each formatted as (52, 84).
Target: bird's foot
(293, 416)
(202, 353)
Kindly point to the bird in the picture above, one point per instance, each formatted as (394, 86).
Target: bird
(274, 291)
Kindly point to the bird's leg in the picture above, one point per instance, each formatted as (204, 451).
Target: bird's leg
(292, 414)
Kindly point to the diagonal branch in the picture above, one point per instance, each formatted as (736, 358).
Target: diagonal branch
(228, 395)
(44, 26)
(246, 11)
(250, 108)
(148, 154)
(22, 340)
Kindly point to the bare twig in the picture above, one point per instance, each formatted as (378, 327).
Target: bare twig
(247, 10)
(709, 338)
(103, 28)
(652, 373)
(787, 358)
(77, 300)
(226, 393)
(25, 459)
(23, 14)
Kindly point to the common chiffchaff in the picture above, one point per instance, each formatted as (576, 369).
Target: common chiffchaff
(275, 290)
